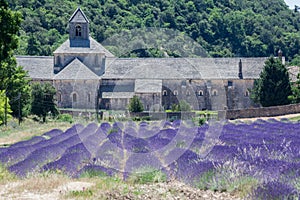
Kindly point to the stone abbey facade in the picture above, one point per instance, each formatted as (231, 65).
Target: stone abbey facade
(88, 76)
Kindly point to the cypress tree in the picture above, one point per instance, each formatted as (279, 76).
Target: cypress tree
(273, 86)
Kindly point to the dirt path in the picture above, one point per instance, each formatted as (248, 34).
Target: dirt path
(164, 191)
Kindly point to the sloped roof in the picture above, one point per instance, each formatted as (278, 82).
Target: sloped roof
(148, 86)
(76, 70)
(182, 68)
(79, 16)
(38, 67)
(95, 47)
(41, 67)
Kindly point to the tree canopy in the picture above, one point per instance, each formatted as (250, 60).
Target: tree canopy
(222, 28)
(273, 86)
(13, 80)
(135, 105)
(43, 100)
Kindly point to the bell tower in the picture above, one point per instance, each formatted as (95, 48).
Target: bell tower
(79, 30)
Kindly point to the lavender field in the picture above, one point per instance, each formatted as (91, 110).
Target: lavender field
(258, 160)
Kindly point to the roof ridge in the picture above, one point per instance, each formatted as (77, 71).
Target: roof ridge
(81, 65)
(79, 10)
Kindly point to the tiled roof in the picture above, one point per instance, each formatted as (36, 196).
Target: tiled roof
(76, 70)
(41, 67)
(178, 68)
(95, 47)
(38, 67)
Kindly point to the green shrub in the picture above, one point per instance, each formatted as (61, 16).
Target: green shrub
(93, 173)
(82, 193)
(147, 175)
(199, 121)
(136, 119)
(65, 118)
(146, 118)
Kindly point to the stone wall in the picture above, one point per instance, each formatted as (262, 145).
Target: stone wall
(260, 112)
(79, 94)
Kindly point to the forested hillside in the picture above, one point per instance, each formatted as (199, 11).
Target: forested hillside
(222, 27)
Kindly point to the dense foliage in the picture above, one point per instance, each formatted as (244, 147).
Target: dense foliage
(223, 28)
(4, 108)
(255, 159)
(135, 105)
(13, 80)
(43, 100)
(273, 86)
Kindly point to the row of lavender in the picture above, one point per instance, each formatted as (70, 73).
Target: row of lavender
(268, 151)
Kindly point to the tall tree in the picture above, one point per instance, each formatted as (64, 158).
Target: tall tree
(43, 100)
(9, 27)
(13, 80)
(273, 86)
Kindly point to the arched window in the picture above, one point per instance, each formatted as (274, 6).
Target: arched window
(200, 93)
(215, 93)
(247, 93)
(175, 92)
(78, 30)
(74, 97)
(165, 93)
(188, 93)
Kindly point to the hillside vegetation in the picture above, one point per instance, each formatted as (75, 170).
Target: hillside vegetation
(222, 27)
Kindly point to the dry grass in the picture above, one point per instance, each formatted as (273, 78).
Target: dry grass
(40, 184)
(14, 133)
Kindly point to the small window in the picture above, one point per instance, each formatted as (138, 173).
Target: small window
(74, 97)
(230, 83)
(89, 97)
(165, 93)
(78, 30)
(175, 92)
(57, 60)
(215, 93)
(59, 97)
(247, 93)
(188, 93)
(200, 93)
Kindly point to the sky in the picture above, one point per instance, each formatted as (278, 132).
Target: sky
(292, 3)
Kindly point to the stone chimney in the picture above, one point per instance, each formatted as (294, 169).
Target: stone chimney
(240, 69)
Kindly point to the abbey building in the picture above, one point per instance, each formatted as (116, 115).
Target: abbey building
(88, 76)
